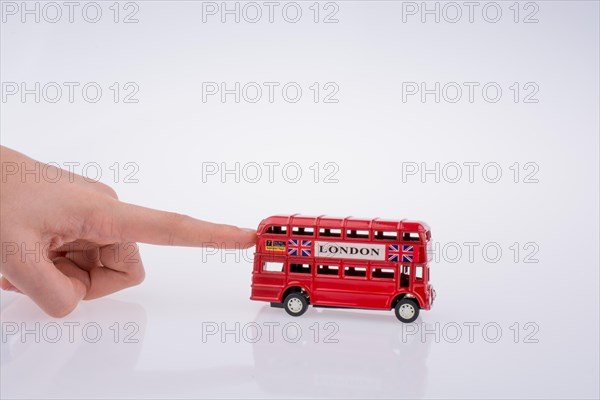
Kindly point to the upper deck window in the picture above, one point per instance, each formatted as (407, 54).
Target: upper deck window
(326, 232)
(381, 235)
(301, 230)
(277, 230)
(410, 237)
(357, 234)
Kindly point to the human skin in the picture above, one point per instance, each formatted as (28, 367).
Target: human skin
(72, 239)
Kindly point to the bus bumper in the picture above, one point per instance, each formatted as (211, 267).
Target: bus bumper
(431, 295)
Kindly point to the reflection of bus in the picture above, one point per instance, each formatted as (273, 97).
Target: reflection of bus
(372, 358)
(343, 262)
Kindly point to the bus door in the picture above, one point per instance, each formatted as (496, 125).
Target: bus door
(404, 275)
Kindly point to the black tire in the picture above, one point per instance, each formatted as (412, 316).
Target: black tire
(295, 304)
(407, 310)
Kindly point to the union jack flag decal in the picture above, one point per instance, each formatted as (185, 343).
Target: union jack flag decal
(407, 257)
(393, 252)
(299, 247)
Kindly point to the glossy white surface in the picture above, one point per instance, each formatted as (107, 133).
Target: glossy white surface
(542, 299)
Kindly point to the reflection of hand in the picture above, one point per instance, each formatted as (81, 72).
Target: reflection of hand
(84, 237)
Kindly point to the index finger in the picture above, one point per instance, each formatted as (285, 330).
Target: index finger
(134, 223)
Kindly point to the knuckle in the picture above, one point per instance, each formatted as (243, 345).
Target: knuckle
(136, 276)
(61, 310)
(104, 188)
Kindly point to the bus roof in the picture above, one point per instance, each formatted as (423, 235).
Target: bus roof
(353, 223)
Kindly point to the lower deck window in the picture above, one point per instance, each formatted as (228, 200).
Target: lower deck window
(419, 272)
(300, 268)
(328, 270)
(384, 273)
(273, 266)
(355, 271)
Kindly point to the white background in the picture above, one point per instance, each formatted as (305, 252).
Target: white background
(543, 297)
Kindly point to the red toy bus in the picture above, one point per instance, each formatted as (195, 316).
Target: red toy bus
(343, 262)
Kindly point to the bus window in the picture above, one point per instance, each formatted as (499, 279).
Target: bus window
(410, 236)
(355, 271)
(404, 275)
(300, 268)
(354, 234)
(419, 273)
(379, 235)
(385, 273)
(330, 232)
(273, 266)
(277, 230)
(328, 270)
(300, 230)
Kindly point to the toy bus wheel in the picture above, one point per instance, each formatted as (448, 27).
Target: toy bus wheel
(295, 304)
(407, 310)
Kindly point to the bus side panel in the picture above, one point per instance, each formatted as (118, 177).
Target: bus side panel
(326, 291)
(420, 291)
(381, 290)
(303, 281)
(351, 292)
(362, 293)
(418, 251)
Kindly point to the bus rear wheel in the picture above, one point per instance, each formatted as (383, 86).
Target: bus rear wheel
(407, 310)
(295, 304)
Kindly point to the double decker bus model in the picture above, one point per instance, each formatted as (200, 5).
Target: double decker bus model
(343, 262)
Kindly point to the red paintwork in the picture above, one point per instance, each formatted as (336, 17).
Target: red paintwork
(340, 290)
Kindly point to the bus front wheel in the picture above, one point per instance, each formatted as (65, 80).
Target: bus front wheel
(407, 310)
(295, 304)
